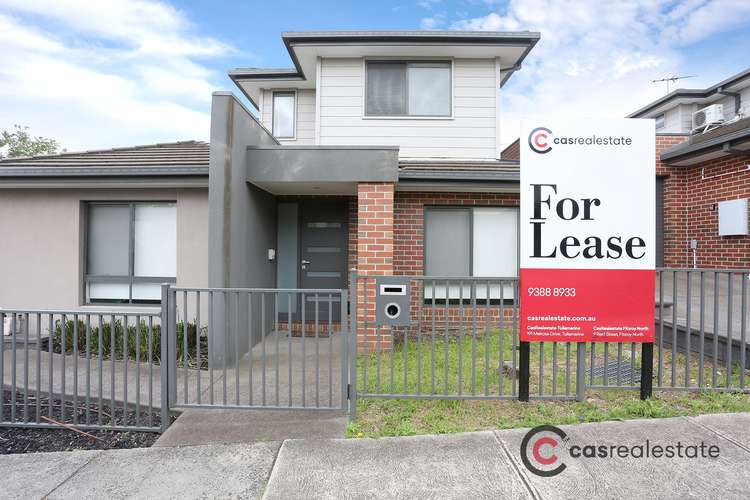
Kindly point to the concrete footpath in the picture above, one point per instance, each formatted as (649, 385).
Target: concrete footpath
(471, 465)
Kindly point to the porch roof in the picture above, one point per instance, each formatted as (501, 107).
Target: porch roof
(297, 170)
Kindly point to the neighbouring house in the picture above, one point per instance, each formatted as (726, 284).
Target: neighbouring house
(377, 151)
(703, 174)
(103, 228)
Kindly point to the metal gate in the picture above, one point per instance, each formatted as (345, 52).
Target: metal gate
(257, 348)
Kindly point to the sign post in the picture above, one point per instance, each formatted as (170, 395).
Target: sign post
(587, 232)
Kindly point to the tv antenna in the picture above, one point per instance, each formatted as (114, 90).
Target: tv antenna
(672, 79)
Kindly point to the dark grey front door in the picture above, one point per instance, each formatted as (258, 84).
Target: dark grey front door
(323, 253)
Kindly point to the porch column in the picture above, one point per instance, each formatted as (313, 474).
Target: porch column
(374, 255)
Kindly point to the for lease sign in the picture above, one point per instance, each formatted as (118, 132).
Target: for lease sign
(587, 230)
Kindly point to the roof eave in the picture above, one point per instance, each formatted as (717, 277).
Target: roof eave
(683, 151)
(292, 38)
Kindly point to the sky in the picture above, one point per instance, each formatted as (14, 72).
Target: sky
(107, 73)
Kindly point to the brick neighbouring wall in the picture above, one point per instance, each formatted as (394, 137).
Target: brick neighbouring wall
(375, 216)
(688, 214)
(703, 221)
(408, 252)
(676, 250)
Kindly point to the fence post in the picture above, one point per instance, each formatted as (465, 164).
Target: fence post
(352, 386)
(580, 371)
(524, 372)
(647, 369)
(164, 362)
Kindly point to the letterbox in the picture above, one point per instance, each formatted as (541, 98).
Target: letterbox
(392, 299)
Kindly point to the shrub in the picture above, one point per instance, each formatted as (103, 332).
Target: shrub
(137, 335)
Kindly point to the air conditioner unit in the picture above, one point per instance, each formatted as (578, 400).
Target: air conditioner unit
(710, 115)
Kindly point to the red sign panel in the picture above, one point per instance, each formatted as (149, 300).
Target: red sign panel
(577, 305)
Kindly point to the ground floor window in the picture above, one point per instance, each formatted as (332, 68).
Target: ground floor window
(131, 249)
(470, 242)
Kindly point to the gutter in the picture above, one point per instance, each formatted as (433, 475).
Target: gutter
(459, 175)
(720, 142)
(78, 172)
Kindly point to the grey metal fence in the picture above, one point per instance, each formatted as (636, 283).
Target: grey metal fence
(701, 336)
(89, 369)
(258, 348)
(462, 343)
(321, 349)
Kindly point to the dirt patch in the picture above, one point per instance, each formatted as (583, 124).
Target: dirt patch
(32, 440)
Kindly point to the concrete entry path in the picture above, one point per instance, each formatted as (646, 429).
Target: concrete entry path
(281, 371)
(218, 426)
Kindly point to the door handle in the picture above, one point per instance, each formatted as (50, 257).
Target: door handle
(305, 262)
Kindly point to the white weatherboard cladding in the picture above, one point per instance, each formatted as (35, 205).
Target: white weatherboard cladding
(469, 133)
(305, 123)
(622, 177)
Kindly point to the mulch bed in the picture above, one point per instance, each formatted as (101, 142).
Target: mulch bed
(32, 440)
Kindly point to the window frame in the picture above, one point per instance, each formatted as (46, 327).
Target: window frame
(470, 209)
(663, 118)
(129, 279)
(293, 93)
(406, 62)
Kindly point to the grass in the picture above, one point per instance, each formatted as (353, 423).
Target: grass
(408, 370)
(392, 417)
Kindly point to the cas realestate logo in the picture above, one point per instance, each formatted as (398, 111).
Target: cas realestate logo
(542, 450)
(540, 140)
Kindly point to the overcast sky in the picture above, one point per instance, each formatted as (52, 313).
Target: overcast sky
(104, 73)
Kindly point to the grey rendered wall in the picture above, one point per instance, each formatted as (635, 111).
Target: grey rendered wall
(242, 223)
(41, 257)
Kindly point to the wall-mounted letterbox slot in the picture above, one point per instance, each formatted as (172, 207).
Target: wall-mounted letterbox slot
(392, 289)
(393, 301)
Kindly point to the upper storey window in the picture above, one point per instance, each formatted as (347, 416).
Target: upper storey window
(400, 88)
(283, 114)
(660, 122)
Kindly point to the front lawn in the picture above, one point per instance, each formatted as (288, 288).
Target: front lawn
(466, 364)
(399, 417)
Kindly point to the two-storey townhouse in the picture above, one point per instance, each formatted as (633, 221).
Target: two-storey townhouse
(386, 159)
(703, 174)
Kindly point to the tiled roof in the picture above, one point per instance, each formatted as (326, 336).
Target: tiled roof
(502, 170)
(175, 154)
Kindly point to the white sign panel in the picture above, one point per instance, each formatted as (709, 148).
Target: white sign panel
(588, 229)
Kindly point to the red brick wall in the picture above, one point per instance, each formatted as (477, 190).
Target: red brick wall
(690, 212)
(375, 215)
(408, 223)
(675, 204)
(725, 179)
(408, 249)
